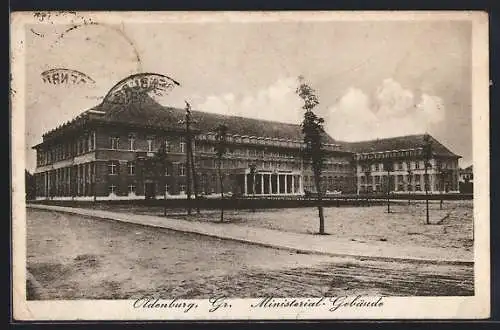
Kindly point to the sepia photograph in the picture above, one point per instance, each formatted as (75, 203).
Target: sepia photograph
(250, 165)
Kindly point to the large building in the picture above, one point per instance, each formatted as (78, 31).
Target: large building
(103, 154)
(106, 153)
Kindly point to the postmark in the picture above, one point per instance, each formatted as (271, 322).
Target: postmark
(60, 76)
(135, 87)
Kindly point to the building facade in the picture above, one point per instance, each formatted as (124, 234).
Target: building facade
(106, 153)
(111, 151)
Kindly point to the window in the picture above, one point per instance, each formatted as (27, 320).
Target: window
(182, 188)
(167, 189)
(182, 169)
(167, 170)
(408, 165)
(150, 145)
(417, 165)
(131, 168)
(113, 168)
(131, 189)
(115, 141)
(182, 145)
(131, 142)
(376, 167)
(400, 165)
(112, 189)
(167, 146)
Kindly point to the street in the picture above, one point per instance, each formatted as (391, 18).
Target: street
(74, 257)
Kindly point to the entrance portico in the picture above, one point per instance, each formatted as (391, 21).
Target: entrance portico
(272, 183)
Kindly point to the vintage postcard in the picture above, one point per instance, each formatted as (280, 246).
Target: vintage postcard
(250, 166)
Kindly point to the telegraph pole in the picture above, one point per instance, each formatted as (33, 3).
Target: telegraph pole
(188, 158)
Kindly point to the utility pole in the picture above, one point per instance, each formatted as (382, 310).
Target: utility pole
(187, 123)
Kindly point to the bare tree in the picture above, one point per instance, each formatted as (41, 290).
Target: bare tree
(221, 148)
(313, 130)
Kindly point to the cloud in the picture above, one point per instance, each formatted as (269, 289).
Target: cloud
(391, 111)
(277, 101)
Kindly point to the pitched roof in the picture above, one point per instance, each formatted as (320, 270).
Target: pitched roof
(151, 113)
(398, 143)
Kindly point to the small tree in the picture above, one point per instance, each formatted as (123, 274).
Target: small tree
(221, 148)
(313, 130)
(388, 166)
(427, 153)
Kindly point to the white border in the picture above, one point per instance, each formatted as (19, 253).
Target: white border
(477, 306)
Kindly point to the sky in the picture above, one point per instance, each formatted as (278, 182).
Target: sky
(374, 79)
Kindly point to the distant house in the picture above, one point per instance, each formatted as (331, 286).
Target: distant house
(466, 176)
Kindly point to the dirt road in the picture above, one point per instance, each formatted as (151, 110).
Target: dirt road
(83, 258)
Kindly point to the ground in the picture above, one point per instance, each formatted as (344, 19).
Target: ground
(73, 257)
(405, 225)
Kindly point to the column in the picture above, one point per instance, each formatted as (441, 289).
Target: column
(301, 184)
(278, 184)
(286, 183)
(246, 184)
(270, 185)
(262, 184)
(293, 184)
